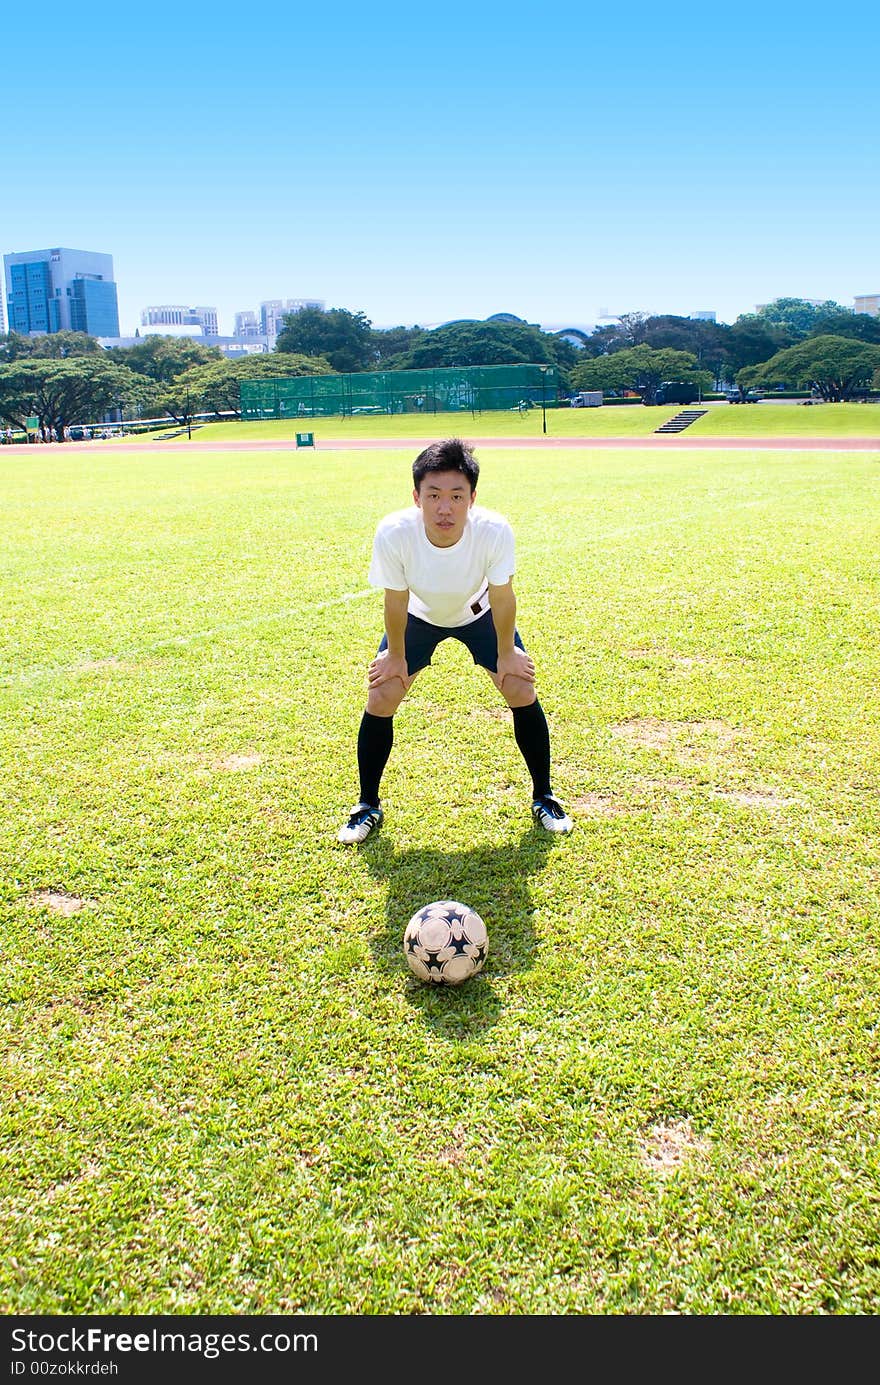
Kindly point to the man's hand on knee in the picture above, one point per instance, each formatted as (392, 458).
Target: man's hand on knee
(515, 663)
(386, 667)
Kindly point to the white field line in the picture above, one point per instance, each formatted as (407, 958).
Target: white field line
(34, 674)
(177, 641)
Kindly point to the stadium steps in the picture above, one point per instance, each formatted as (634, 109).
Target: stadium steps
(163, 437)
(681, 421)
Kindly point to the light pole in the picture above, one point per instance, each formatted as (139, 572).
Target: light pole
(543, 369)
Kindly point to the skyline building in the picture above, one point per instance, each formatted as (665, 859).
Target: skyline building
(178, 315)
(247, 324)
(61, 290)
(231, 347)
(867, 303)
(274, 310)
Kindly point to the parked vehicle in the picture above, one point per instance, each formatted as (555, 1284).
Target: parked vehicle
(742, 397)
(586, 399)
(673, 392)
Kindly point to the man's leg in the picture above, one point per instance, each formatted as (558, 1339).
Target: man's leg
(374, 742)
(376, 731)
(375, 739)
(532, 735)
(530, 728)
(529, 722)
(376, 735)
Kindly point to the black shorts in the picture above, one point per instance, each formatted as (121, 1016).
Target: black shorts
(479, 637)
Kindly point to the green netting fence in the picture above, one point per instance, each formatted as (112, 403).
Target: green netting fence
(470, 389)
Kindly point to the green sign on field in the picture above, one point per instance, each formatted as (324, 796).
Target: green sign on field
(32, 424)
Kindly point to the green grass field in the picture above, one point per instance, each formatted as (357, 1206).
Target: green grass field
(720, 420)
(788, 420)
(223, 1092)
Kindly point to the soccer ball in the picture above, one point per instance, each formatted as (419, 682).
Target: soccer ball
(445, 943)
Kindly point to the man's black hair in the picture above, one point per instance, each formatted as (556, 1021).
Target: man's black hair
(450, 455)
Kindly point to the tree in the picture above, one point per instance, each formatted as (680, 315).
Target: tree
(47, 345)
(836, 367)
(629, 330)
(753, 339)
(632, 328)
(13, 346)
(343, 338)
(639, 368)
(216, 388)
(470, 343)
(389, 343)
(18, 389)
(163, 358)
(566, 353)
(67, 391)
(846, 322)
(707, 341)
(797, 316)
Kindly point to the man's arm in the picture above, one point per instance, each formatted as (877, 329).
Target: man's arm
(511, 659)
(391, 663)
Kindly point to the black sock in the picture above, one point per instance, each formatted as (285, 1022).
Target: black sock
(533, 738)
(375, 738)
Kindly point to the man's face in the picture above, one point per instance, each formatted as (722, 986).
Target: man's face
(444, 498)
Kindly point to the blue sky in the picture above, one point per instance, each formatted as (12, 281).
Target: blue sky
(420, 163)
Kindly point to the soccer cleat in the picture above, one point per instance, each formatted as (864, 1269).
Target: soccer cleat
(364, 817)
(549, 813)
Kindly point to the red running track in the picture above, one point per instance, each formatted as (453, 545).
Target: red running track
(668, 441)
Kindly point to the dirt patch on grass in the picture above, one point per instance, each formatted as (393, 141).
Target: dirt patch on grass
(655, 734)
(638, 796)
(102, 665)
(600, 805)
(667, 1146)
(59, 901)
(753, 798)
(688, 660)
(680, 660)
(456, 1151)
(494, 713)
(669, 784)
(744, 797)
(644, 795)
(232, 764)
(645, 731)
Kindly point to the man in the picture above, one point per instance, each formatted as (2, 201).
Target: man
(446, 566)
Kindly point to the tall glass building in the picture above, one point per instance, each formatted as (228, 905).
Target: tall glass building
(61, 290)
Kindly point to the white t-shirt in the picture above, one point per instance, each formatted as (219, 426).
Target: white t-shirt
(445, 584)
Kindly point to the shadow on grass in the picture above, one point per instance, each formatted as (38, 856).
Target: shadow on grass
(493, 880)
